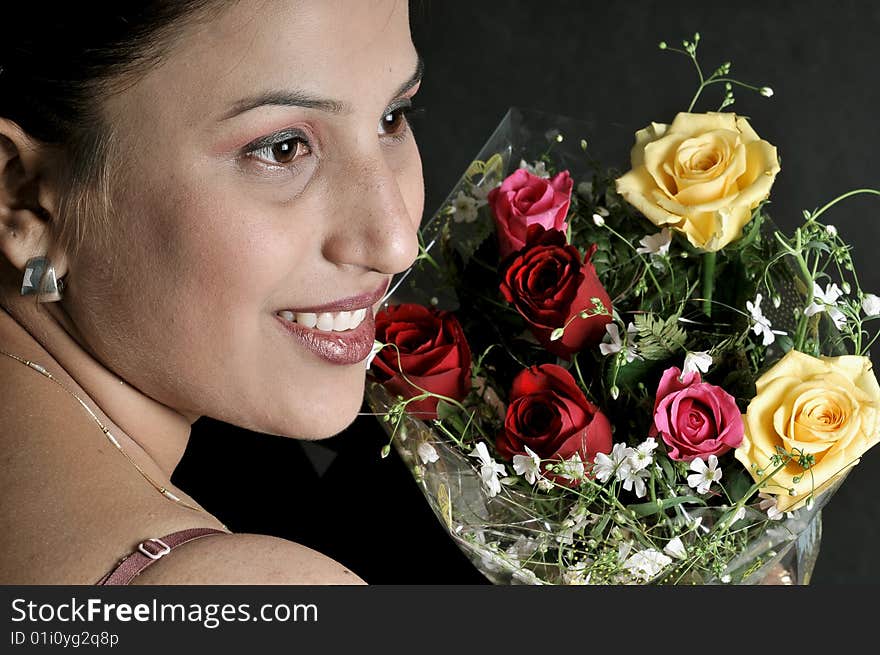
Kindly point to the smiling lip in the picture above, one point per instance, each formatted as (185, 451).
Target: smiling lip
(341, 348)
(361, 301)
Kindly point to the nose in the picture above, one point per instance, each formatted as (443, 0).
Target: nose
(374, 228)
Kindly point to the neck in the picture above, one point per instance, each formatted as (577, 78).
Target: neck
(158, 431)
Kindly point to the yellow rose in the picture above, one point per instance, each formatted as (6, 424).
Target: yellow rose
(702, 175)
(827, 407)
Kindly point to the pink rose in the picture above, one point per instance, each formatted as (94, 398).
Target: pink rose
(524, 199)
(695, 418)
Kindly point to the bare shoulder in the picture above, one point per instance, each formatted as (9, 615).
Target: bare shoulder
(246, 559)
(73, 506)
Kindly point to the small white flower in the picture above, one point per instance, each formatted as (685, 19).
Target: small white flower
(612, 343)
(544, 484)
(645, 564)
(700, 361)
(377, 346)
(528, 466)
(871, 305)
(575, 522)
(489, 469)
(427, 453)
(464, 208)
(634, 479)
(572, 469)
(604, 466)
(830, 229)
(826, 301)
(576, 574)
(675, 548)
(481, 191)
(827, 297)
(762, 324)
(539, 168)
(656, 245)
(703, 476)
(642, 456)
(768, 504)
(599, 220)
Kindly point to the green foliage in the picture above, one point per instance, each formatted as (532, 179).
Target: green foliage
(659, 337)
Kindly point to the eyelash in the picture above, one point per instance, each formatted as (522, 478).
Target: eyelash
(262, 148)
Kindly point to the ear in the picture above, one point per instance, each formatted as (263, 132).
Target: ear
(27, 205)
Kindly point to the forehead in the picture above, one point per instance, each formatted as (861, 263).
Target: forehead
(343, 49)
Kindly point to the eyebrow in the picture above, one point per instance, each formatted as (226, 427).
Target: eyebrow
(295, 98)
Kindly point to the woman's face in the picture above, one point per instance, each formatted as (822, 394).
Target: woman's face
(267, 172)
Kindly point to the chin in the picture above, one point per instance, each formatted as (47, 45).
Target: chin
(330, 413)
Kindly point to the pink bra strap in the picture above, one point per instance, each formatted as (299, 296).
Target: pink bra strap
(149, 551)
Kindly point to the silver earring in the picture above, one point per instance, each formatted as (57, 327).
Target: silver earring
(40, 279)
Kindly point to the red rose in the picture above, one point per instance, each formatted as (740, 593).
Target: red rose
(524, 199)
(433, 354)
(551, 415)
(695, 418)
(549, 286)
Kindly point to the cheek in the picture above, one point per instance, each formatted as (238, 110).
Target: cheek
(219, 247)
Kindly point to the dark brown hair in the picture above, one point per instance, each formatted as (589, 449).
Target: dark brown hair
(58, 60)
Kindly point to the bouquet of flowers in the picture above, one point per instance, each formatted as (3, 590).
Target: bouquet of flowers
(614, 377)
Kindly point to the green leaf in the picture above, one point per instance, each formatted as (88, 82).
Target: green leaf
(785, 342)
(599, 529)
(659, 338)
(654, 507)
(740, 482)
(446, 410)
(668, 470)
(450, 415)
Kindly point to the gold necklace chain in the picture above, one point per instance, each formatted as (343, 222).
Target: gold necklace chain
(161, 489)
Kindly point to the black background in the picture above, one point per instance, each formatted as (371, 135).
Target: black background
(598, 61)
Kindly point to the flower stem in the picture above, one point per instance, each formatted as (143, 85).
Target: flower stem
(842, 197)
(709, 259)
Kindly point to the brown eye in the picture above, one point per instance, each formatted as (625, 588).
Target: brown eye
(280, 150)
(288, 150)
(394, 121)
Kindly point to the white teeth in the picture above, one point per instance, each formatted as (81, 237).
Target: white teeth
(308, 320)
(327, 321)
(342, 321)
